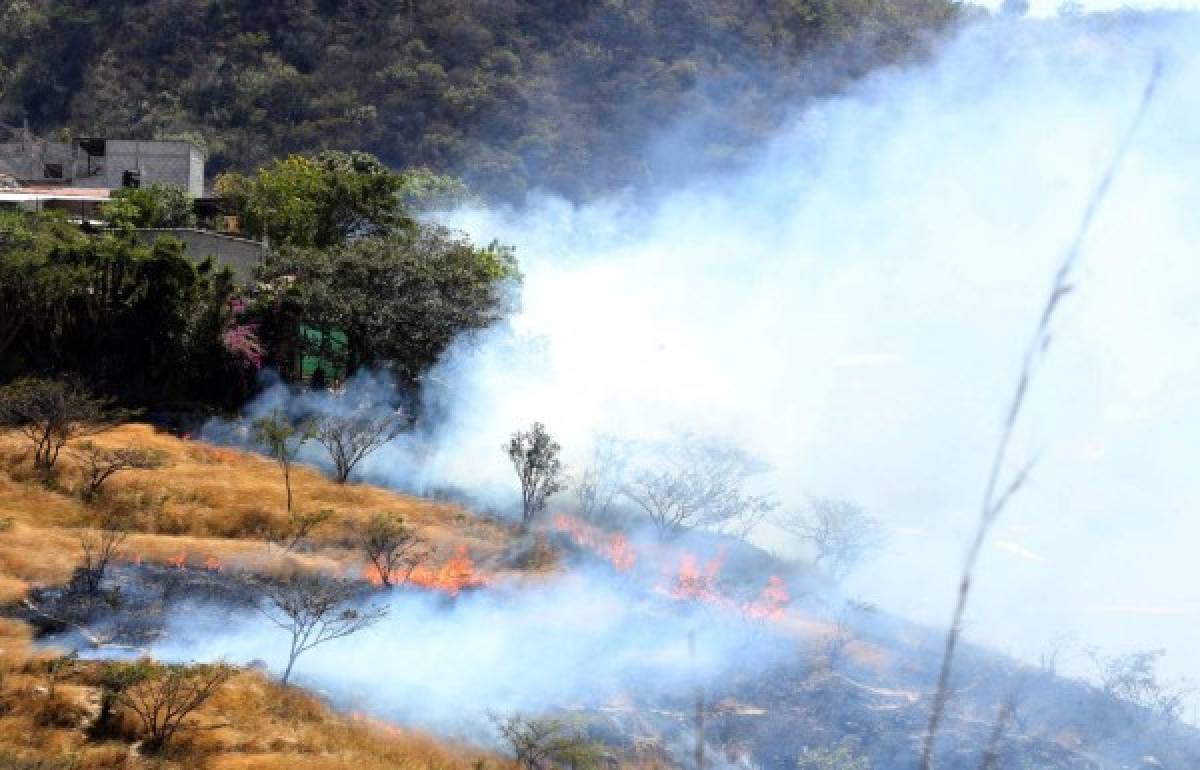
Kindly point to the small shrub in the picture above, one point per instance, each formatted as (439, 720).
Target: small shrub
(255, 522)
(393, 548)
(538, 743)
(49, 413)
(844, 756)
(161, 697)
(98, 464)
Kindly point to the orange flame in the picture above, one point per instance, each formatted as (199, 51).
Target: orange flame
(212, 564)
(696, 583)
(771, 603)
(693, 582)
(179, 560)
(621, 553)
(614, 548)
(456, 574)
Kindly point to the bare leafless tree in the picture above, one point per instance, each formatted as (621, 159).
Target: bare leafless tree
(98, 464)
(394, 548)
(350, 438)
(542, 743)
(164, 696)
(314, 609)
(600, 483)
(100, 546)
(50, 413)
(840, 533)
(535, 458)
(698, 482)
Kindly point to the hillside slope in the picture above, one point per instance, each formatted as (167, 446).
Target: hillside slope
(508, 93)
(206, 510)
(208, 503)
(47, 709)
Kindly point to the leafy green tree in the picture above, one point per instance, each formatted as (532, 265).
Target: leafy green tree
(154, 205)
(282, 439)
(535, 458)
(318, 202)
(143, 322)
(563, 95)
(400, 299)
(39, 272)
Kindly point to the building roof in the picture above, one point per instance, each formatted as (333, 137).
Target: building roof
(50, 193)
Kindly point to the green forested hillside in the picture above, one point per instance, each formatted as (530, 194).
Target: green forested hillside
(506, 93)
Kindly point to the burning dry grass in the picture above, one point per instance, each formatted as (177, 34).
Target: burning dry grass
(207, 506)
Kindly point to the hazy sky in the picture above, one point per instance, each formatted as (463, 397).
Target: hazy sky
(1046, 8)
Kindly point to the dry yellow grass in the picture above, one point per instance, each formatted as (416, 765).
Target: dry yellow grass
(206, 502)
(251, 723)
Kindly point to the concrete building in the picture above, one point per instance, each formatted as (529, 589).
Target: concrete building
(77, 178)
(104, 163)
(240, 255)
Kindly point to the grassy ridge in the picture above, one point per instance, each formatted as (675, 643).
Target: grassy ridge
(250, 724)
(206, 502)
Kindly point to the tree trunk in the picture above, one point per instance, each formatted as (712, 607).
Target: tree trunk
(292, 655)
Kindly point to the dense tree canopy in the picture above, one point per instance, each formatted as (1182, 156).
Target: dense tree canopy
(151, 324)
(318, 202)
(143, 322)
(505, 92)
(401, 298)
(155, 205)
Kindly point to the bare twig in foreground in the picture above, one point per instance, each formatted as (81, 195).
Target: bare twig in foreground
(996, 496)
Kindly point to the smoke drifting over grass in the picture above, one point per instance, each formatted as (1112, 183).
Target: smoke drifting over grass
(853, 309)
(447, 666)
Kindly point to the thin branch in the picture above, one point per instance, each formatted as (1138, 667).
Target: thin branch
(994, 503)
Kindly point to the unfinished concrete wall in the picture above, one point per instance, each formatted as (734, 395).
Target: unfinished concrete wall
(38, 161)
(174, 163)
(238, 254)
(169, 162)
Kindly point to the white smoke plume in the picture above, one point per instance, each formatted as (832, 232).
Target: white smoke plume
(447, 665)
(853, 309)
